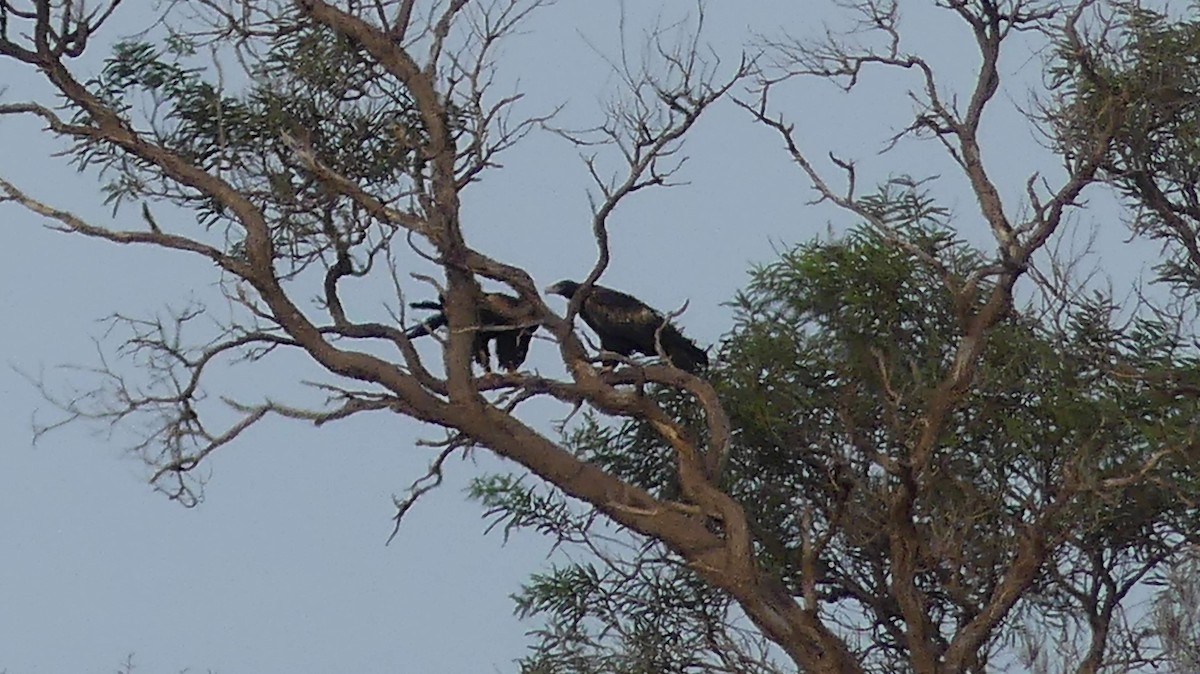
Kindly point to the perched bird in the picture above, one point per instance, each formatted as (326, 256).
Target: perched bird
(499, 321)
(626, 325)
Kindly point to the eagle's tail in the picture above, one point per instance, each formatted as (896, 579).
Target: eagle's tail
(681, 351)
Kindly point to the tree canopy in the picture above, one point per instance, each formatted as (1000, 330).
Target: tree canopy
(836, 354)
(912, 452)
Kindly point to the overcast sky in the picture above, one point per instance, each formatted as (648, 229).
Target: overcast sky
(283, 568)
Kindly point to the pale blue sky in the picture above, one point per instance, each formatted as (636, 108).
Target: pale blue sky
(283, 568)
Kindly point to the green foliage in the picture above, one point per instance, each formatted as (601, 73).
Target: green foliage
(640, 617)
(1138, 81)
(312, 89)
(519, 505)
(836, 355)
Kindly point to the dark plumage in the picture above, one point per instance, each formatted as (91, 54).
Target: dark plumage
(498, 313)
(626, 325)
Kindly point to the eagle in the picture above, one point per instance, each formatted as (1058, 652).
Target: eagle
(627, 325)
(498, 321)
